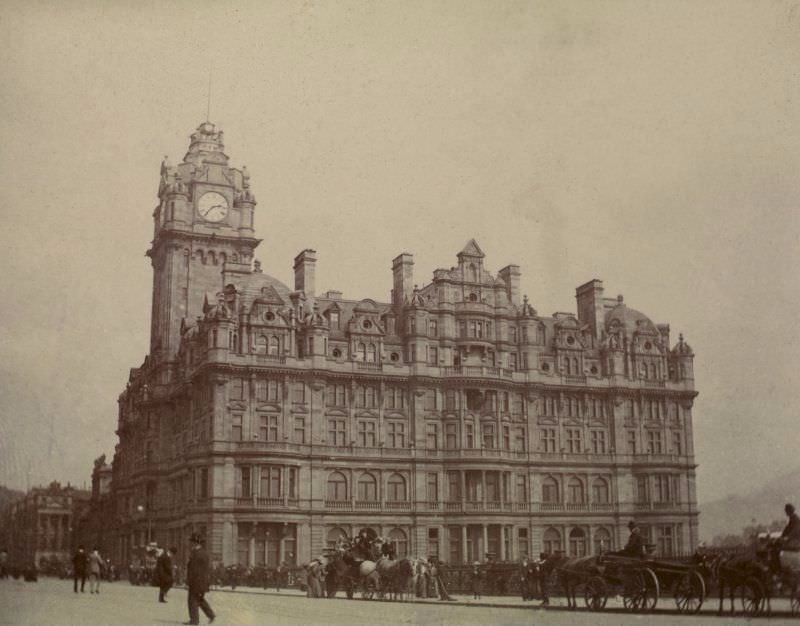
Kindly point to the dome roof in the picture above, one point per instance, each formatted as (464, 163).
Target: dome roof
(683, 348)
(629, 319)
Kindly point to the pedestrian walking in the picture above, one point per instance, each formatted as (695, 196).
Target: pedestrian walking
(164, 573)
(95, 567)
(477, 580)
(197, 580)
(80, 562)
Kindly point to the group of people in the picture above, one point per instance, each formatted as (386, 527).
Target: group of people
(89, 565)
(533, 579)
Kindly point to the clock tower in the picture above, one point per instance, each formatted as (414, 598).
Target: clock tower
(203, 225)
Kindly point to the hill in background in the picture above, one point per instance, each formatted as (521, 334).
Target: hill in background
(730, 515)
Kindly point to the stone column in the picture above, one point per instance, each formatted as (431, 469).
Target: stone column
(485, 539)
(464, 554)
(502, 542)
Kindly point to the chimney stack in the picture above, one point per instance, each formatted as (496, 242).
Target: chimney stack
(304, 264)
(403, 274)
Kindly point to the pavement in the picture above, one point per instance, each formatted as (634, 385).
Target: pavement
(52, 602)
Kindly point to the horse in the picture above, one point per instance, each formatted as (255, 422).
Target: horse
(748, 570)
(421, 577)
(394, 577)
(571, 572)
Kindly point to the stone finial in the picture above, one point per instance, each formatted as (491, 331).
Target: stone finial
(257, 266)
(620, 299)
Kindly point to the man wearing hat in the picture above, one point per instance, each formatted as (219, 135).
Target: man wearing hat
(197, 578)
(791, 533)
(635, 546)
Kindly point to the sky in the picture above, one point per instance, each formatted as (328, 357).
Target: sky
(653, 145)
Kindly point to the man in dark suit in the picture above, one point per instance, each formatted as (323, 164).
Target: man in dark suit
(164, 576)
(197, 580)
(80, 563)
(791, 533)
(635, 547)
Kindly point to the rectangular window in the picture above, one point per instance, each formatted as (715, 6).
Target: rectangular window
(336, 432)
(462, 329)
(663, 488)
(550, 492)
(367, 433)
(519, 439)
(268, 429)
(336, 395)
(396, 434)
(522, 488)
(433, 487)
(453, 486)
(522, 539)
(665, 541)
(451, 436)
(506, 437)
(292, 487)
(654, 442)
(454, 532)
(204, 482)
(245, 488)
(548, 439)
(450, 400)
(469, 435)
(432, 436)
(299, 430)
(512, 334)
(631, 438)
(273, 390)
(271, 482)
(512, 361)
(492, 486)
(599, 441)
(473, 328)
(433, 354)
(574, 444)
(488, 436)
(236, 427)
(299, 393)
(642, 491)
(334, 317)
(432, 328)
(433, 542)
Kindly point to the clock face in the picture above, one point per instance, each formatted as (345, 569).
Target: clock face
(212, 206)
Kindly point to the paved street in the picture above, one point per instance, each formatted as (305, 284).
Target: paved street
(52, 602)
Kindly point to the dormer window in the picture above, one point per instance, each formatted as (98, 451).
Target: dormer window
(473, 297)
(366, 324)
(334, 317)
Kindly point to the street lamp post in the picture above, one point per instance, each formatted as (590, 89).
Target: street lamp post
(141, 510)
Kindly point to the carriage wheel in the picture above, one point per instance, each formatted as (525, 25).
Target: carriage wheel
(689, 593)
(640, 590)
(595, 594)
(752, 595)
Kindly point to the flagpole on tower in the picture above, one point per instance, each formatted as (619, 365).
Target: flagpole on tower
(208, 105)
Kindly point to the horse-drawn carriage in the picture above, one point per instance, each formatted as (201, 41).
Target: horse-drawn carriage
(639, 582)
(358, 566)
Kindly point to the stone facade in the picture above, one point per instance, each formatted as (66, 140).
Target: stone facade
(40, 528)
(453, 419)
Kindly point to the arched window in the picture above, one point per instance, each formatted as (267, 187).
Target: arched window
(334, 536)
(551, 541)
(575, 493)
(367, 488)
(261, 345)
(472, 273)
(602, 541)
(568, 365)
(371, 353)
(397, 538)
(396, 488)
(337, 487)
(643, 371)
(550, 493)
(600, 491)
(274, 345)
(212, 257)
(577, 542)
(575, 370)
(361, 352)
(653, 371)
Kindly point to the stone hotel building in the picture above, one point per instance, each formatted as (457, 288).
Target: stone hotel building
(453, 419)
